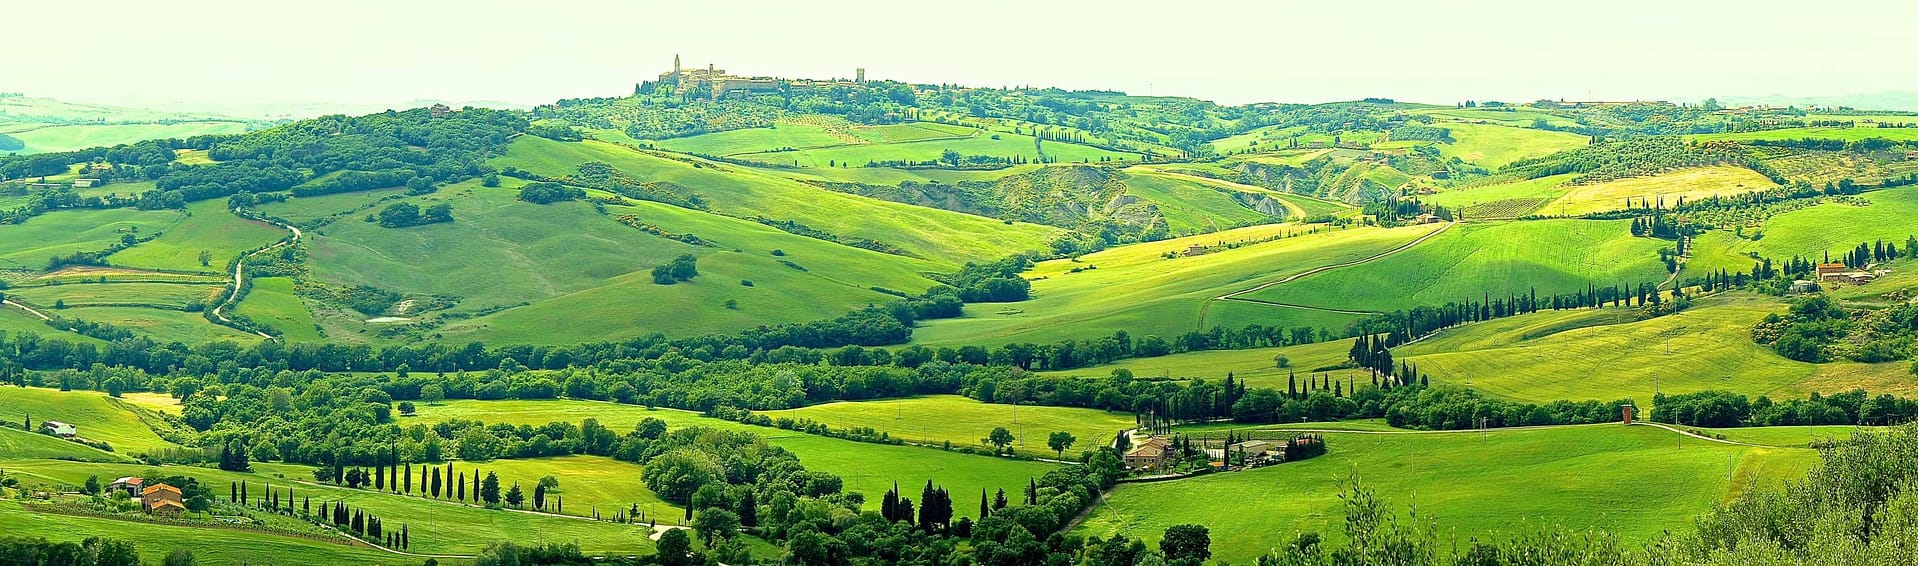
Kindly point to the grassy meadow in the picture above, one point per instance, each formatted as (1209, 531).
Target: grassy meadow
(436, 527)
(209, 546)
(1191, 207)
(163, 296)
(949, 238)
(1470, 260)
(962, 421)
(1604, 354)
(1810, 232)
(1493, 146)
(1465, 483)
(31, 244)
(1137, 289)
(97, 416)
(1255, 367)
(272, 302)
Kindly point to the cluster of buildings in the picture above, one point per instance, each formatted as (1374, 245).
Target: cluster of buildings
(1156, 454)
(1840, 273)
(718, 83)
(156, 499)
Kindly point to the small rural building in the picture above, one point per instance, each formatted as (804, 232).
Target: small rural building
(438, 110)
(131, 485)
(1629, 412)
(1802, 286)
(1857, 277)
(43, 185)
(1428, 218)
(1316, 144)
(1253, 448)
(1148, 455)
(85, 183)
(1194, 250)
(59, 429)
(1831, 271)
(162, 499)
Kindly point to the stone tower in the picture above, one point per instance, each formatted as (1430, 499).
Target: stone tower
(859, 75)
(675, 68)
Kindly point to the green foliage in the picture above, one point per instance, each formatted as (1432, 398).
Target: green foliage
(548, 193)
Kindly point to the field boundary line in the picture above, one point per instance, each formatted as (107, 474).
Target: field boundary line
(1235, 295)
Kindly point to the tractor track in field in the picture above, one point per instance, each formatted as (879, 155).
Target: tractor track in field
(1237, 295)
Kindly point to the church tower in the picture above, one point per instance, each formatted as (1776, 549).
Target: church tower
(675, 69)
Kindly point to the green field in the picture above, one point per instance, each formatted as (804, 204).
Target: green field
(1493, 146)
(29, 245)
(157, 295)
(436, 527)
(1670, 187)
(20, 444)
(160, 324)
(1191, 207)
(51, 138)
(1786, 436)
(97, 416)
(867, 468)
(946, 237)
(586, 483)
(1810, 232)
(962, 421)
(208, 227)
(301, 210)
(1470, 260)
(1255, 367)
(1605, 355)
(273, 302)
(582, 280)
(209, 546)
(810, 279)
(1136, 289)
(1574, 477)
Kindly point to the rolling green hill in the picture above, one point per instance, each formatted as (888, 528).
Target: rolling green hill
(1606, 354)
(1463, 482)
(97, 416)
(940, 236)
(1139, 290)
(1471, 260)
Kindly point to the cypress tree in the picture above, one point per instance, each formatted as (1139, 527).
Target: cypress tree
(409, 478)
(984, 509)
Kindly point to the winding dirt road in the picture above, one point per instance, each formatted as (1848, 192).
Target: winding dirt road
(239, 276)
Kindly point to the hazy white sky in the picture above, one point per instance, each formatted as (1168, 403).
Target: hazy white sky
(380, 51)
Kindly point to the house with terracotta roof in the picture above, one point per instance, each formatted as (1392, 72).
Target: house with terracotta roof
(162, 499)
(1148, 455)
(1831, 271)
(131, 485)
